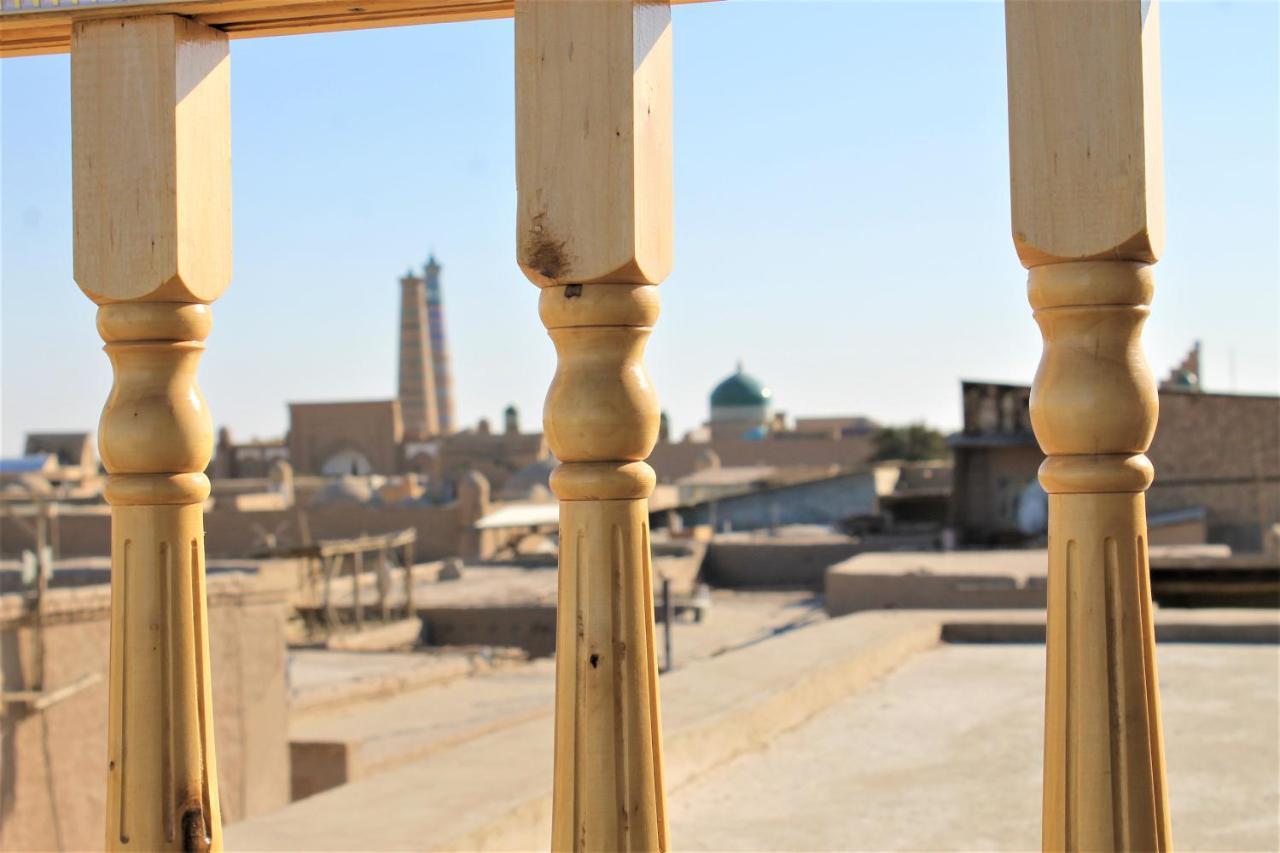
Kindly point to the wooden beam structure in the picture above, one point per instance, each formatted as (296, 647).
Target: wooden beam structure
(594, 181)
(151, 184)
(1085, 155)
(44, 26)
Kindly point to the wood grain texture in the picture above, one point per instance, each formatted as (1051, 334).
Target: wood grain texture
(27, 29)
(1087, 201)
(1094, 410)
(608, 761)
(1104, 785)
(151, 171)
(162, 775)
(601, 420)
(1084, 130)
(601, 406)
(593, 141)
(151, 152)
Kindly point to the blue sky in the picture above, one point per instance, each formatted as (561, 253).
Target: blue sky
(842, 216)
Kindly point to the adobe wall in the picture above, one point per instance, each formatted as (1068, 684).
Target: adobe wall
(319, 430)
(1222, 452)
(529, 627)
(676, 460)
(1190, 532)
(1235, 509)
(442, 530)
(497, 456)
(78, 535)
(747, 563)
(237, 534)
(53, 763)
(1216, 436)
(823, 502)
(1217, 451)
(987, 484)
(955, 580)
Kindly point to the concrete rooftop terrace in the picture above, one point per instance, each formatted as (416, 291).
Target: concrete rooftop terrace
(863, 732)
(945, 754)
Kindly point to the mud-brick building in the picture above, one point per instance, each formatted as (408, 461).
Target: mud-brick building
(1218, 453)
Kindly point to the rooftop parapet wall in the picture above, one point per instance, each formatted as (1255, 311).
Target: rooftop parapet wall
(442, 530)
(53, 760)
(672, 461)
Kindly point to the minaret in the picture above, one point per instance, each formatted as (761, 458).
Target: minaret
(417, 387)
(441, 373)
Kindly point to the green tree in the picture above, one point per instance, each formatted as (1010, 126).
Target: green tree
(910, 443)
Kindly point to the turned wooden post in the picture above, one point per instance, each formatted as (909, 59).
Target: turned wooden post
(152, 193)
(357, 566)
(1084, 127)
(384, 582)
(331, 569)
(593, 141)
(408, 581)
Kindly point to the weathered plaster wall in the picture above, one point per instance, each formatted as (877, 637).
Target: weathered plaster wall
(53, 763)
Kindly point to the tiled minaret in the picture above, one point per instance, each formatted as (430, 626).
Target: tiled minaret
(417, 386)
(442, 375)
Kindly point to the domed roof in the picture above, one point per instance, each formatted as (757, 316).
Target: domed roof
(741, 389)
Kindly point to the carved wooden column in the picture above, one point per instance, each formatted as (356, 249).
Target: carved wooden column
(1084, 125)
(593, 138)
(152, 194)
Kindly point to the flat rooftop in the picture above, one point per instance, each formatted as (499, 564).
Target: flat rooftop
(945, 754)
(868, 732)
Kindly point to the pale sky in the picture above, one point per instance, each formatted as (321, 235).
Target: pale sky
(842, 219)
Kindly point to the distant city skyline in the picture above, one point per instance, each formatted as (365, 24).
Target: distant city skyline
(842, 218)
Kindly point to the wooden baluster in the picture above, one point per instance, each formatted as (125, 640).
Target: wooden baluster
(593, 139)
(357, 566)
(409, 611)
(1084, 123)
(384, 582)
(152, 194)
(331, 568)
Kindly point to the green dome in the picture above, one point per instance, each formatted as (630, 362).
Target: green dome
(740, 390)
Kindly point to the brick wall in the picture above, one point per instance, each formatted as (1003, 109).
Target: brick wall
(1217, 451)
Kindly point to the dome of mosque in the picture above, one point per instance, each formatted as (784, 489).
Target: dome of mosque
(740, 389)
